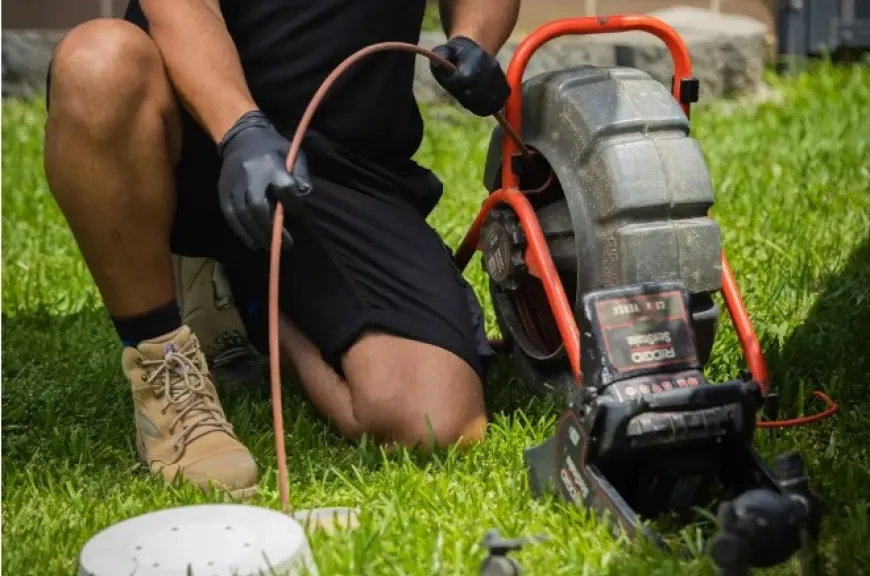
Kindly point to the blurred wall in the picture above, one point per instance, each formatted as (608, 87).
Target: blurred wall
(56, 14)
(537, 12)
(63, 14)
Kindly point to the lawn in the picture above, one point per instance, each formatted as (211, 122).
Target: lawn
(793, 185)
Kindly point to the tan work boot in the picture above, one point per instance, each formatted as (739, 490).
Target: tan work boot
(180, 424)
(206, 304)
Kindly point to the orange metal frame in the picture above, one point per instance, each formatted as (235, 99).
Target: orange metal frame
(538, 255)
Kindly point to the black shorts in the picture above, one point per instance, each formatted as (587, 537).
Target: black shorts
(364, 258)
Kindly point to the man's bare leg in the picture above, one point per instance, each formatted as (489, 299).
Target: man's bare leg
(395, 390)
(112, 136)
(112, 139)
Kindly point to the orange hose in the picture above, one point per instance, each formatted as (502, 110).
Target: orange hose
(830, 408)
(275, 255)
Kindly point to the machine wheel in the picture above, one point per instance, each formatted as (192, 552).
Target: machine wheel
(627, 203)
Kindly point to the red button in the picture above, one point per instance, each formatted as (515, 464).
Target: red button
(693, 381)
(657, 388)
(682, 383)
(667, 385)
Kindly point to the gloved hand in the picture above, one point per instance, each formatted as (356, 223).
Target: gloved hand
(478, 82)
(253, 177)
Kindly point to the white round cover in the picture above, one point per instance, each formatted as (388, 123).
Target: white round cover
(203, 540)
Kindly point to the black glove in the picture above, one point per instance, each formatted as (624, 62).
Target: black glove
(253, 177)
(478, 82)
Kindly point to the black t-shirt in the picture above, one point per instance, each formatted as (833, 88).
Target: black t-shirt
(288, 47)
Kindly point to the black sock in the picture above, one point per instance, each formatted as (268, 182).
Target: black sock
(157, 322)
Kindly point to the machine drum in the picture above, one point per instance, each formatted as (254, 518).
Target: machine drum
(627, 204)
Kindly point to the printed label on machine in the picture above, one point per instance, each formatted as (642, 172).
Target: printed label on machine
(646, 332)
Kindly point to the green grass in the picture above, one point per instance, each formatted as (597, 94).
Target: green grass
(431, 18)
(793, 184)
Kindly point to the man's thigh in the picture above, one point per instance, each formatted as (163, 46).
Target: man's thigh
(375, 293)
(367, 261)
(387, 332)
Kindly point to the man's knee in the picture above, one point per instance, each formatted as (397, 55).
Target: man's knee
(429, 396)
(419, 423)
(102, 74)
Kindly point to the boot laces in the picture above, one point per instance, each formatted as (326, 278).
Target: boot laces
(180, 379)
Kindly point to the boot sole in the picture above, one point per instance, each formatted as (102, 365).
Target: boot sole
(245, 493)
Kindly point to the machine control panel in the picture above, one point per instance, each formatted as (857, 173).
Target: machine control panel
(637, 341)
(663, 427)
(638, 330)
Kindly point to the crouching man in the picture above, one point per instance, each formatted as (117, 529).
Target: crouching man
(167, 134)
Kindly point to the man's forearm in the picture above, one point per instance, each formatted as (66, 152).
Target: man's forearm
(201, 60)
(487, 22)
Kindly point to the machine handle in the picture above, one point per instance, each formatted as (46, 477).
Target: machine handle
(615, 418)
(580, 26)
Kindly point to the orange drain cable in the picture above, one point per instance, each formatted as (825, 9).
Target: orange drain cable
(275, 256)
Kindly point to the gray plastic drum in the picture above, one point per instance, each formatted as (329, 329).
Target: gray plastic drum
(634, 202)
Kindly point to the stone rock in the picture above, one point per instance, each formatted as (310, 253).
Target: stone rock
(727, 51)
(741, 42)
(648, 53)
(728, 54)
